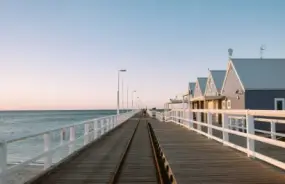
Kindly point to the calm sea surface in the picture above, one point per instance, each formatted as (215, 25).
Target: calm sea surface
(15, 123)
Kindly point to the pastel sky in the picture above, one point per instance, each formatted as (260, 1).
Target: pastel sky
(64, 54)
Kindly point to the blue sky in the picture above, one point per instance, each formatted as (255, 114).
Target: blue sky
(65, 54)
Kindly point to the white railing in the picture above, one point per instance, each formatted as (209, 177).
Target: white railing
(257, 143)
(93, 129)
(159, 115)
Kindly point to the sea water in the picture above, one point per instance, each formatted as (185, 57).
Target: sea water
(20, 123)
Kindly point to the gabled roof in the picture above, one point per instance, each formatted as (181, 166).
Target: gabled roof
(202, 83)
(218, 77)
(191, 86)
(260, 74)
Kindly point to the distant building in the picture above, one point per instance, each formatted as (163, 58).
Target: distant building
(198, 100)
(255, 84)
(212, 95)
(191, 89)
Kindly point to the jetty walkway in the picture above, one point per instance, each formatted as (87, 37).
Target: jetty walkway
(194, 158)
(143, 149)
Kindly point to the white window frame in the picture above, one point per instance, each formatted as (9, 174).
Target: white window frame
(229, 106)
(279, 99)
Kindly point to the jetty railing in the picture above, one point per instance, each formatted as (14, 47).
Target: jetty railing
(93, 129)
(238, 129)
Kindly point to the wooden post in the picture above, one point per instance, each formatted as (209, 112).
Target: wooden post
(250, 131)
(3, 161)
(118, 120)
(183, 113)
(95, 128)
(48, 157)
(209, 118)
(112, 122)
(190, 119)
(62, 135)
(109, 121)
(86, 133)
(71, 139)
(199, 120)
(273, 130)
(225, 125)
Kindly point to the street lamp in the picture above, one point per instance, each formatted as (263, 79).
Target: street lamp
(133, 99)
(118, 92)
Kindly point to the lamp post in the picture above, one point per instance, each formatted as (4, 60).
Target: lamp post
(133, 99)
(118, 92)
(127, 98)
(138, 102)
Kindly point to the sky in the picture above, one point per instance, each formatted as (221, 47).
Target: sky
(65, 54)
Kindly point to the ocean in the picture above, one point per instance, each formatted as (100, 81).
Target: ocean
(28, 122)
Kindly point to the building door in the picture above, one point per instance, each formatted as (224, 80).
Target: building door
(220, 115)
(202, 114)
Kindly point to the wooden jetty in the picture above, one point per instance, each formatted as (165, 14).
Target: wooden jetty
(194, 158)
(125, 155)
(146, 150)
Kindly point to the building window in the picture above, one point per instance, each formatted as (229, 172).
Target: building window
(223, 104)
(229, 104)
(279, 103)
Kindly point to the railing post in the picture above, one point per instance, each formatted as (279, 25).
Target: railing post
(273, 130)
(105, 125)
(111, 123)
(3, 161)
(210, 119)
(108, 124)
(182, 116)
(118, 119)
(95, 129)
(99, 128)
(48, 157)
(225, 124)
(62, 138)
(86, 133)
(250, 131)
(199, 120)
(102, 126)
(71, 138)
(230, 123)
(114, 121)
(62, 135)
(190, 119)
(243, 125)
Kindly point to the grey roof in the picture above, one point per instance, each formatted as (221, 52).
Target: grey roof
(202, 83)
(192, 86)
(261, 73)
(218, 77)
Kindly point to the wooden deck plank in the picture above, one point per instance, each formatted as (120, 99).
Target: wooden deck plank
(97, 163)
(263, 148)
(139, 165)
(197, 159)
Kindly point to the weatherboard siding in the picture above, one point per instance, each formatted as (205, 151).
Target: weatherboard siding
(263, 100)
(197, 92)
(211, 89)
(231, 85)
